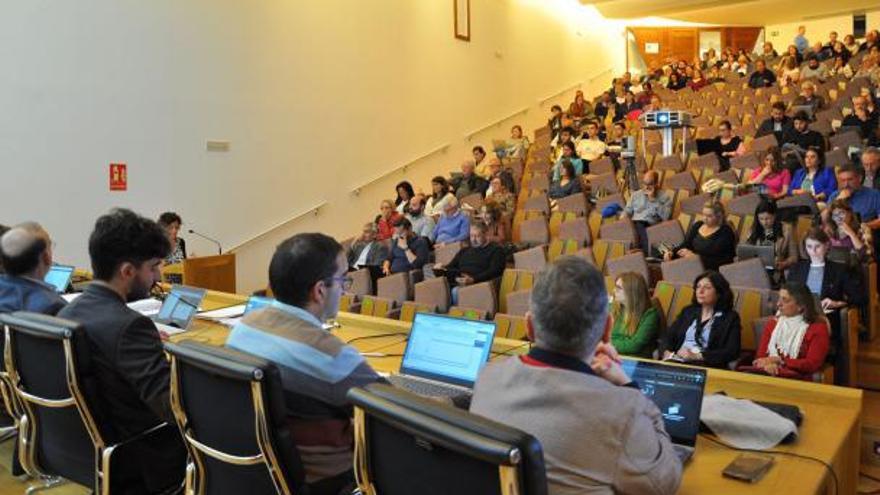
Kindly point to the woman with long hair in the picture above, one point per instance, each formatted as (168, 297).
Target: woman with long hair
(636, 320)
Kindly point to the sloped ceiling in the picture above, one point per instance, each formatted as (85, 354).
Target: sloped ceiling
(732, 12)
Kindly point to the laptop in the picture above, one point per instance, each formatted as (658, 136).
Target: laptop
(59, 277)
(678, 393)
(178, 309)
(444, 355)
(808, 109)
(767, 254)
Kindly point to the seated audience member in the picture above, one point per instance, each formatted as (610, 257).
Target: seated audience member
(483, 162)
(697, 82)
(366, 250)
(870, 166)
(129, 364)
(849, 42)
(644, 98)
(862, 119)
(814, 70)
(501, 195)
(772, 177)
(839, 51)
(768, 230)
(630, 108)
(814, 178)
(307, 276)
(605, 106)
(408, 251)
(480, 262)
(864, 201)
(565, 135)
(591, 147)
(580, 110)
(778, 123)
(843, 228)
(404, 195)
(497, 230)
(794, 343)
(598, 432)
(468, 182)
(636, 321)
(742, 65)
(453, 225)
(506, 178)
(569, 153)
(440, 195)
(808, 97)
(385, 221)
(791, 52)
(800, 137)
(555, 122)
(790, 74)
(422, 224)
(569, 182)
(712, 239)
(818, 52)
(648, 206)
(768, 54)
(715, 75)
(729, 145)
(517, 145)
(617, 135)
(730, 63)
(762, 77)
(708, 331)
(26, 256)
(171, 223)
(840, 68)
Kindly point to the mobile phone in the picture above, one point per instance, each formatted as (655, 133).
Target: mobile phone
(748, 467)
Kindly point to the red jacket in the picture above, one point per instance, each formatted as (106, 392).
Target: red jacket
(811, 357)
(386, 227)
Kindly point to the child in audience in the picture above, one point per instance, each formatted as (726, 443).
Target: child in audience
(636, 320)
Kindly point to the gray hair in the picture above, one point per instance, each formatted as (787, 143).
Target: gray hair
(870, 150)
(569, 306)
(372, 227)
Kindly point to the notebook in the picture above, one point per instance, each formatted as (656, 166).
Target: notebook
(178, 309)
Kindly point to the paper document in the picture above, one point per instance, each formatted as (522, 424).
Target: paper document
(744, 424)
(223, 313)
(146, 307)
(169, 329)
(70, 297)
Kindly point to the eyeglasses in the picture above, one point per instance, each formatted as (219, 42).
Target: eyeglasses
(344, 280)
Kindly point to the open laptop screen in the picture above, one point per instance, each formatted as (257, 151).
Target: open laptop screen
(59, 277)
(180, 306)
(678, 393)
(447, 349)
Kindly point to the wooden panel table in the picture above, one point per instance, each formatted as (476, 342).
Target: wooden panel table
(830, 431)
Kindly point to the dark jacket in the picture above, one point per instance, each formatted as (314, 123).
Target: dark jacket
(132, 382)
(803, 140)
(377, 254)
(481, 263)
(839, 283)
(465, 187)
(398, 259)
(724, 338)
(762, 79)
(25, 294)
(766, 128)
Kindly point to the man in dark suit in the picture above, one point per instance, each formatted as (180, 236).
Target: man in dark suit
(801, 137)
(26, 255)
(366, 250)
(777, 124)
(126, 350)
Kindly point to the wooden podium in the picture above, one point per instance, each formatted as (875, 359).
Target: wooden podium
(207, 272)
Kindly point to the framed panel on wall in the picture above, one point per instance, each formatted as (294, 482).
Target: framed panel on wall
(461, 15)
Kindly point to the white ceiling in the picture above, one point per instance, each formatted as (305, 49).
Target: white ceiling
(732, 12)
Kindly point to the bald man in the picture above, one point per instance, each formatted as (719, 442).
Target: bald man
(26, 255)
(648, 206)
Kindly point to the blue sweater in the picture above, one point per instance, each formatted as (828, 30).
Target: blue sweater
(452, 229)
(25, 294)
(823, 182)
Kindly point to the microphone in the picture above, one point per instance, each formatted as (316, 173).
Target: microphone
(203, 236)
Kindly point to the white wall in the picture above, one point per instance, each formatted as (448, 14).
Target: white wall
(315, 98)
(782, 35)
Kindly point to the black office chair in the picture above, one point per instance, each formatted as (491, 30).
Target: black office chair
(407, 444)
(230, 408)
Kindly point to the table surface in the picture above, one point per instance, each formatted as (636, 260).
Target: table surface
(830, 430)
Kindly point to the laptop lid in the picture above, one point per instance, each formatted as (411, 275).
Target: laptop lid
(59, 277)
(447, 349)
(767, 254)
(180, 306)
(678, 393)
(257, 302)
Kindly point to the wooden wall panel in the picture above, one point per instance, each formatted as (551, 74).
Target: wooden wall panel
(684, 43)
(740, 37)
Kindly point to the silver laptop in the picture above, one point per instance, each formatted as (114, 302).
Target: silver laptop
(767, 254)
(678, 393)
(59, 277)
(444, 355)
(178, 309)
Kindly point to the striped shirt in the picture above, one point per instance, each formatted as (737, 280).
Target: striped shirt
(317, 370)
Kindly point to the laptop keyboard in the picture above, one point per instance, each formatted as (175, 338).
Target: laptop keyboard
(428, 388)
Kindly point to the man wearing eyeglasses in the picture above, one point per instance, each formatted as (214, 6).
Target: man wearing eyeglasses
(308, 275)
(648, 206)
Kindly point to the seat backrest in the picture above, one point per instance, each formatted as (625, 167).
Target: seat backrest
(749, 160)
(444, 254)
(606, 183)
(518, 302)
(836, 158)
(694, 204)
(361, 282)
(395, 287)
(433, 292)
(607, 200)
(231, 408)
(671, 162)
(534, 232)
(468, 313)
(409, 309)
(533, 259)
(377, 306)
(601, 166)
(845, 140)
(709, 161)
(42, 352)
(682, 270)
(681, 180)
(669, 232)
(481, 296)
(748, 273)
(744, 205)
(633, 262)
(622, 230)
(474, 201)
(763, 143)
(538, 203)
(577, 229)
(510, 326)
(441, 449)
(574, 203)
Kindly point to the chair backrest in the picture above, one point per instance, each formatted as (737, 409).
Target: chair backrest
(396, 287)
(468, 313)
(709, 161)
(681, 180)
(409, 309)
(694, 204)
(683, 270)
(605, 182)
(510, 326)
(441, 449)
(433, 292)
(230, 407)
(744, 205)
(577, 229)
(748, 273)
(534, 232)
(538, 203)
(845, 140)
(444, 254)
(633, 262)
(513, 280)
(763, 143)
(518, 302)
(669, 232)
(361, 282)
(749, 160)
(474, 201)
(481, 296)
(377, 306)
(41, 353)
(607, 200)
(533, 259)
(836, 158)
(621, 230)
(575, 203)
(671, 162)
(601, 166)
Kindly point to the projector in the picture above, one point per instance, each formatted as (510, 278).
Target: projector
(660, 119)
